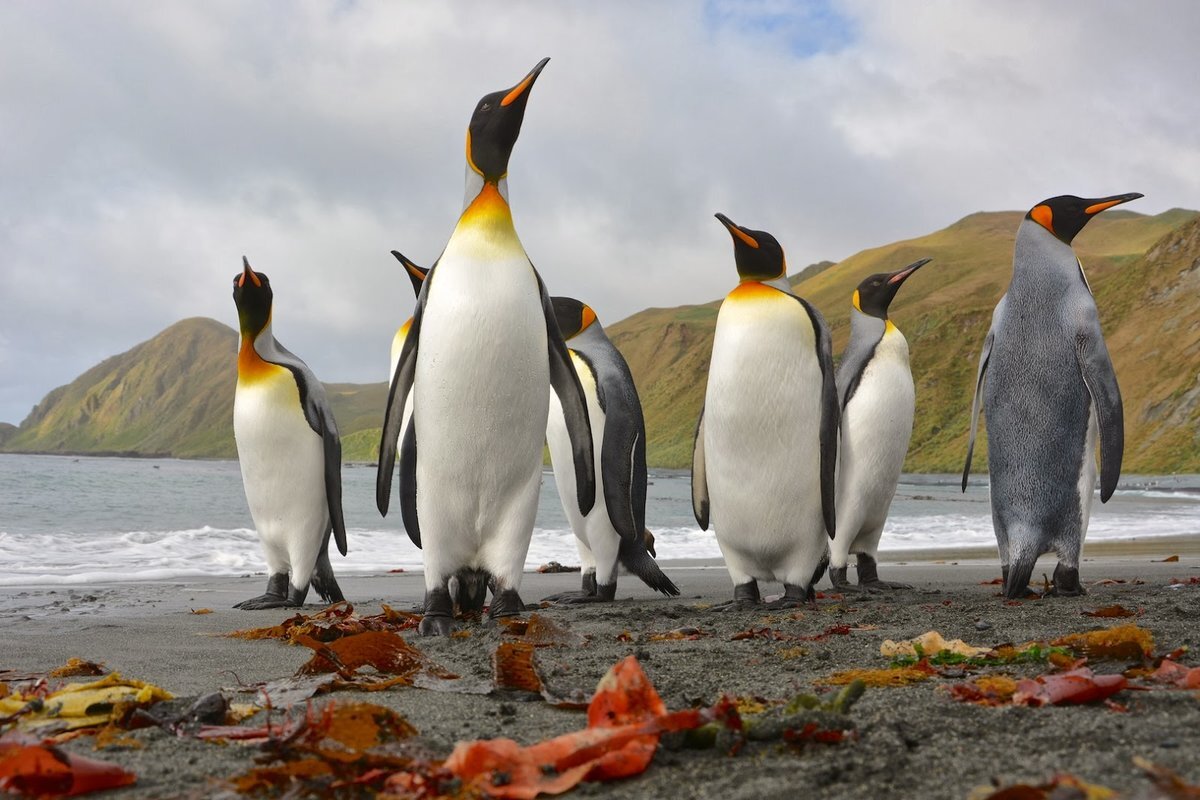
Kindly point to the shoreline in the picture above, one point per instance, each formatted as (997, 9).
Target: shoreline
(910, 741)
(1136, 547)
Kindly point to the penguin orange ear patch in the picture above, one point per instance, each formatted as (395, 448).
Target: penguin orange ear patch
(1043, 216)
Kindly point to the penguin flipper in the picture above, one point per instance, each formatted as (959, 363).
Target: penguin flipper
(830, 416)
(623, 459)
(332, 445)
(1097, 370)
(393, 418)
(319, 416)
(408, 483)
(565, 384)
(977, 402)
(854, 364)
(699, 476)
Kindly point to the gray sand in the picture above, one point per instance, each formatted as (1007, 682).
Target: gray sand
(913, 741)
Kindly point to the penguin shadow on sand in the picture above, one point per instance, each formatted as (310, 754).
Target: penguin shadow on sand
(290, 456)
(1048, 390)
(483, 319)
(763, 463)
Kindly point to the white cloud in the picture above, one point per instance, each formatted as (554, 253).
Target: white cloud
(147, 147)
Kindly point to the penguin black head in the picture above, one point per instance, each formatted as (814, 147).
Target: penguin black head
(252, 294)
(495, 125)
(874, 295)
(415, 273)
(757, 254)
(573, 316)
(1065, 215)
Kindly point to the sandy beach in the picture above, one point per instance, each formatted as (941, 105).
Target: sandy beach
(910, 741)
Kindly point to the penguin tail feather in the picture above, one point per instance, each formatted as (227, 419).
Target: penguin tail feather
(634, 557)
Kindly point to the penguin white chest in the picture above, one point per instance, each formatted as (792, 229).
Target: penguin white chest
(877, 422)
(482, 377)
(480, 398)
(282, 458)
(762, 421)
(876, 428)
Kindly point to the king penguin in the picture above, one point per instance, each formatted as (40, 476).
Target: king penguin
(877, 400)
(480, 359)
(1049, 390)
(766, 443)
(614, 530)
(290, 455)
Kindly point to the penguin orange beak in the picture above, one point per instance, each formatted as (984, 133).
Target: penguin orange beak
(902, 275)
(1103, 203)
(523, 87)
(737, 232)
(248, 273)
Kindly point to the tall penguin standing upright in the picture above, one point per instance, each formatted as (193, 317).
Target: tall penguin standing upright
(480, 358)
(1050, 388)
(877, 399)
(290, 454)
(613, 531)
(766, 443)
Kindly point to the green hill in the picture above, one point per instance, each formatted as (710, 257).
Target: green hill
(169, 396)
(173, 395)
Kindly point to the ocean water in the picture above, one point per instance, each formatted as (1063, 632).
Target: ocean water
(67, 520)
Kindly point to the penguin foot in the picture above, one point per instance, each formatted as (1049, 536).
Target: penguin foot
(266, 601)
(837, 576)
(745, 597)
(506, 603)
(278, 595)
(605, 593)
(793, 597)
(438, 618)
(1066, 582)
(868, 576)
(589, 582)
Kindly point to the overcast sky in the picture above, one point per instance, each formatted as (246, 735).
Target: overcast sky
(145, 146)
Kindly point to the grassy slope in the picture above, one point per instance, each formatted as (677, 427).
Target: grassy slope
(171, 395)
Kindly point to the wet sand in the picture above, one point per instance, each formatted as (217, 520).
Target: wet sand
(913, 741)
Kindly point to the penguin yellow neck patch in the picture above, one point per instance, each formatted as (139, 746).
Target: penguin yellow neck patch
(489, 208)
(251, 366)
(856, 301)
(751, 290)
